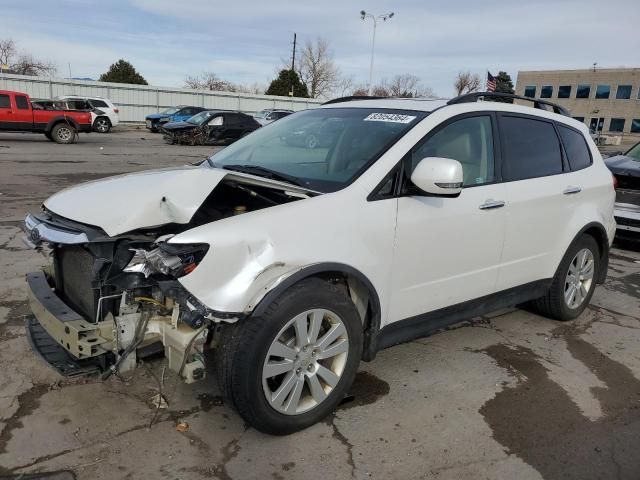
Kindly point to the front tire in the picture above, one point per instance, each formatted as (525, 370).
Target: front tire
(291, 367)
(574, 282)
(63, 133)
(102, 125)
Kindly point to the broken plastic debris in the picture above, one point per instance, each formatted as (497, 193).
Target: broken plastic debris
(182, 426)
(158, 401)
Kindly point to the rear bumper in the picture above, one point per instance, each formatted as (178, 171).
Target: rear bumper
(79, 337)
(627, 217)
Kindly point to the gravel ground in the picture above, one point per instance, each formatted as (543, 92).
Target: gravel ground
(507, 395)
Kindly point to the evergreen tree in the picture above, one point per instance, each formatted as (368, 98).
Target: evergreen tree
(123, 72)
(504, 84)
(283, 83)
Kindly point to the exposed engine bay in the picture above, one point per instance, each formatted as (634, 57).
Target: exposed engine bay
(123, 291)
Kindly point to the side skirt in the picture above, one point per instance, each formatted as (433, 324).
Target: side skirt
(427, 323)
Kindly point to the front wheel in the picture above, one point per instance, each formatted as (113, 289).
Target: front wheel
(291, 367)
(574, 282)
(63, 133)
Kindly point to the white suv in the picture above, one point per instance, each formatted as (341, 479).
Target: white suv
(295, 264)
(104, 121)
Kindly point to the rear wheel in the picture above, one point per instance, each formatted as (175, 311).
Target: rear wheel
(291, 367)
(63, 133)
(102, 125)
(574, 282)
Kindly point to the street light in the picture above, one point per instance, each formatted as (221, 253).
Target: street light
(364, 15)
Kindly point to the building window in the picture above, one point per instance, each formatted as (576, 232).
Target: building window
(603, 91)
(583, 91)
(580, 119)
(616, 125)
(635, 125)
(564, 91)
(546, 91)
(624, 92)
(530, 91)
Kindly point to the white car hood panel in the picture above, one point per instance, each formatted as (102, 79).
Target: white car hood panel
(146, 199)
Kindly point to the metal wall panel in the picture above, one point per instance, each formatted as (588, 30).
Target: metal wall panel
(136, 101)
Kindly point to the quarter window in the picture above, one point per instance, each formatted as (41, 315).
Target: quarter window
(98, 104)
(576, 147)
(530, 91)
(635, 125)
(580, 119)
(546, 91)
(4, 101)
(564, 91)
(603, 91)
(530, 148)
(468, 140)
(22, 103)
(583, 91)
(616, 125)
(623, 92)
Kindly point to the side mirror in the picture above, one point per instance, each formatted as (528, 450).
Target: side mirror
(438, 176)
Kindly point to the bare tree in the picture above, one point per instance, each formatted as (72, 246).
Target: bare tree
(467, 82)
(317, 69)
(24, 63)
(344, 85)
(207, 81)
(404, 85)
(8, 51)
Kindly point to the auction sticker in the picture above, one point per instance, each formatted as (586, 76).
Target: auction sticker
(389, 117)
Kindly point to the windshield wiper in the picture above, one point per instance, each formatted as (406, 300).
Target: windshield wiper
(263, 172)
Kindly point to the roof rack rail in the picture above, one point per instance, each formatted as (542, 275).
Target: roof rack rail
(537, 103)
(351, 98)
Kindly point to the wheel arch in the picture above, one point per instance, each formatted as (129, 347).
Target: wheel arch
(60, 119)
(361, 291)
(599, 234)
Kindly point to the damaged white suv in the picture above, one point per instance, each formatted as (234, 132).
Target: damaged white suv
(293, 264)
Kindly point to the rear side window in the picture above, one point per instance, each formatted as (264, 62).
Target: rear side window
(530, 148)
(98, 104)
(4, 101)
(576, 147)
(22, 102)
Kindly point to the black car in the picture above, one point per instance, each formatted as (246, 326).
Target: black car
(626, 169)
(210, 127)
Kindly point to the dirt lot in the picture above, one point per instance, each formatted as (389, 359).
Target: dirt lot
(510, 395)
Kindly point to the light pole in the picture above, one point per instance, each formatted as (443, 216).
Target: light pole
(364, 15)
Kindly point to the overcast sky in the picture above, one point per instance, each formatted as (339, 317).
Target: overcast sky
(244, 41)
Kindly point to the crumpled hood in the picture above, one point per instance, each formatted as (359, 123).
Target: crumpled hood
(156, 116)
(146, 199)
(178, 125)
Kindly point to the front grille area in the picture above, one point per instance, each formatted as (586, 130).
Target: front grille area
(73, 267)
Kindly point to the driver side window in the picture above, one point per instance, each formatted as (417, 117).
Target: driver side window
(468, 140)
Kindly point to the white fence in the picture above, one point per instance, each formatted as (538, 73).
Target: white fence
(136, 101)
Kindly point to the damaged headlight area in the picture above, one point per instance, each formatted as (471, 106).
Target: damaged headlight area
(176, 260)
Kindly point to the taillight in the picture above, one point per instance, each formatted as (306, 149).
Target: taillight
(615, 181)
(116, 110)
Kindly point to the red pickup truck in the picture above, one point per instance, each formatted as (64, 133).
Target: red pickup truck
(17, 114)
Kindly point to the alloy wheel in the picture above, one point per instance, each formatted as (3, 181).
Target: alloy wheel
(64, 134)
(102, 125)
(305, 361)
(579, 278)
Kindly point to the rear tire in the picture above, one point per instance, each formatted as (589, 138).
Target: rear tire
(245, 358)
(102, 125)
(63, 133)
(573, 284)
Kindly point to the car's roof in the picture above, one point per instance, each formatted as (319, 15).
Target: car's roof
(418, 104)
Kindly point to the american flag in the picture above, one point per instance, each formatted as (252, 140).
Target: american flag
(491, 82)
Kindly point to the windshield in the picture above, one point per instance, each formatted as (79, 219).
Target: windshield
(261, 114)
(634, 152)
(200, 118)
(170, 111)
(323, 149)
